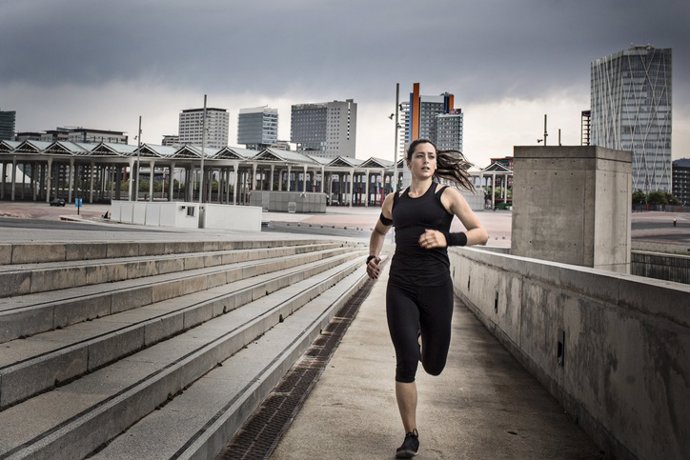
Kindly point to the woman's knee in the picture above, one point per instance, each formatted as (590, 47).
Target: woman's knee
(434, 368)
(405, 372)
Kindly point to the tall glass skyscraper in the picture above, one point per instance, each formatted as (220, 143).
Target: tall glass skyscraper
(631, 110)
(7, 120)
(257, 127)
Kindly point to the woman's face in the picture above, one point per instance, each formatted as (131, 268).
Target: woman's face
(423, 162)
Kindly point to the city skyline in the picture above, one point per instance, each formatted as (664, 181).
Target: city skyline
(508, 64)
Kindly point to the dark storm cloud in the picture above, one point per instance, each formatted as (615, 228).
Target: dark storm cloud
(481, 50)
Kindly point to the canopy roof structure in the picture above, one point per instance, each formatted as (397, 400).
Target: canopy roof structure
(185, 152)
(192, 152)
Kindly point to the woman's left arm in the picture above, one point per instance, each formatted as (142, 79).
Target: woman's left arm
(455, 203)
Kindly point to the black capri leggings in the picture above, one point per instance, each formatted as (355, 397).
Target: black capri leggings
(411, 310)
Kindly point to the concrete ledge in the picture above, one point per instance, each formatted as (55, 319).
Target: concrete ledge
(612, 348)
(29, 253)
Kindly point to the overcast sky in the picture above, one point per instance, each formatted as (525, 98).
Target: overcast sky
(102, 64)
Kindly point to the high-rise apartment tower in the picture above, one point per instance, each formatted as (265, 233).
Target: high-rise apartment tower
(447, 130)
(434, 118)
(681, 180)
(631, 110)
(192, 122)
(326, 129)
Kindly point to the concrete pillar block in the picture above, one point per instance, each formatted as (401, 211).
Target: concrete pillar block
(572, 205)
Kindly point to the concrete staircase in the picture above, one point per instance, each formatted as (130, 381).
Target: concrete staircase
(155, 350)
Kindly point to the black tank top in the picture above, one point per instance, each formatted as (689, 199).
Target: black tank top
(413, 265)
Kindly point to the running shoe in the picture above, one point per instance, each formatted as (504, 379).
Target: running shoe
(409, 447)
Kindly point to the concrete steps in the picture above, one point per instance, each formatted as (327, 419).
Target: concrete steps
(30, 314)
(205, 418)
(42, 276)
(66, 393)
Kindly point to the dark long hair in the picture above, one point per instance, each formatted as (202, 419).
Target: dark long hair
(450, 164)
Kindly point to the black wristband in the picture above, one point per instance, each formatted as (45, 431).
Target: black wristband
(456, 239)
(369, 259)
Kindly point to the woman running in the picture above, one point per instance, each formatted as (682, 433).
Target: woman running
(419, 297)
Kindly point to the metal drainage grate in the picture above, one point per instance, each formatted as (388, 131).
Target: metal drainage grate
(259, 437)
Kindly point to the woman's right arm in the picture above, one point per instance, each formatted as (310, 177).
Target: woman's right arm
(377, 238)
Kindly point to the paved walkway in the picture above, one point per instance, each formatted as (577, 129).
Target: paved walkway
(483, 406)
(497, 223)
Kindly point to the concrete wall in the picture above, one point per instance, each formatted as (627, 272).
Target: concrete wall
(242, 218)
(186, 215)
(624, 342)
(666, 247)
(572, 205)
(156, 214)
(302, 202)
(475, 200)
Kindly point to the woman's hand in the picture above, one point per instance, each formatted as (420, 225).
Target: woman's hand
(431, 239)
(373, 268)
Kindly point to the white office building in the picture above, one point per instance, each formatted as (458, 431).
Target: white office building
(325, 129)
(257, 128)
(192, 122)
(631, 110)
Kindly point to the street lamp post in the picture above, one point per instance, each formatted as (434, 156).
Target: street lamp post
(136, 187)
(203, 147)
(395, 144)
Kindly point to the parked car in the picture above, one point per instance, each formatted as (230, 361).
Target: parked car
(57, 202)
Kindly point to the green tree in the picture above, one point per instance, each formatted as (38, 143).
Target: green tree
(657, 197)
(672, 199)
(639, 197)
